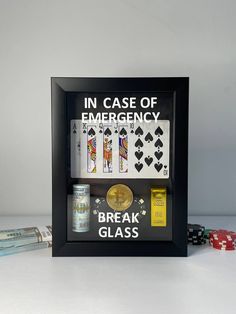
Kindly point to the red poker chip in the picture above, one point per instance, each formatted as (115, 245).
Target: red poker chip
(222, 244)
(223, 248)
(226, 247)
(223, 233)
(228, 239)
(225, 236)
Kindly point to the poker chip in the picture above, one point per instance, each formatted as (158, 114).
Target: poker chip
(195, 234)
(207, 233)
(222, 239)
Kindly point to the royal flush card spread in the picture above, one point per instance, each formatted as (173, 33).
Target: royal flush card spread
(120, 150)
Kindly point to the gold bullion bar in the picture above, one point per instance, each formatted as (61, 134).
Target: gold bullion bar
(158, 207)
(119, 197)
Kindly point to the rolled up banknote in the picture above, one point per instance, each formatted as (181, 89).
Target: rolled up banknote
(24, 239)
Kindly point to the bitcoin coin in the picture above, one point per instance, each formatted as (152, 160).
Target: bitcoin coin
(119, 197)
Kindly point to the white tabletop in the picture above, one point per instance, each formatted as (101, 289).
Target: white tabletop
(34, 282)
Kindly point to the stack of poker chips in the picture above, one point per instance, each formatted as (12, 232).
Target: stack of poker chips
(223, 240)
(196, 234)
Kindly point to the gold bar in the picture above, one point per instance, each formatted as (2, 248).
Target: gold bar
(158, 207)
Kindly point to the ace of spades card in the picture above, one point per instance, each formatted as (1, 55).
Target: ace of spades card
(120, 150)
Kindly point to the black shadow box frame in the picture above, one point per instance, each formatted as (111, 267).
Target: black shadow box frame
(61, 246)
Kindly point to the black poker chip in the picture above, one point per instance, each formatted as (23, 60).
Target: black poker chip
(195, 234)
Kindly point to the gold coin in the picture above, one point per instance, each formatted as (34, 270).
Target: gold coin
(119, 197)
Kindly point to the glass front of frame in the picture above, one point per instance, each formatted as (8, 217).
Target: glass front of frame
(120, 166)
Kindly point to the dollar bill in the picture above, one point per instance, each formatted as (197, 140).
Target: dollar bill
(24, 248)
(32, 237)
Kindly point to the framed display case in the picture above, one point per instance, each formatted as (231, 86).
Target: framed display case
(119, 166)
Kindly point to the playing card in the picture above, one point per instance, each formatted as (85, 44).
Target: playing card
(123, 148)
(107, 148)
(127, 150)
(152, 149)
(76, 129)
(91, 149)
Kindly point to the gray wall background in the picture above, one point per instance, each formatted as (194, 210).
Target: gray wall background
(40, 39)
